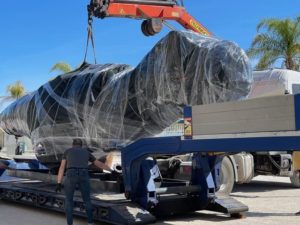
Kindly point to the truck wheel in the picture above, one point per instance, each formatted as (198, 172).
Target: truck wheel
(227, 177)
(295, 180)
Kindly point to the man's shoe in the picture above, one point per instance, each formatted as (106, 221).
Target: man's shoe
(297, 213)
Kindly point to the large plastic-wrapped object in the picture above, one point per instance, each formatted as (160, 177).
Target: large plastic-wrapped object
(110, 105)
(275, 82)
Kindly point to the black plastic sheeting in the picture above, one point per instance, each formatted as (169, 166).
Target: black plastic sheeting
(110, 105)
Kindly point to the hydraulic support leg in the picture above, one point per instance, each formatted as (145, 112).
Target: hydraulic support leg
(198, 194)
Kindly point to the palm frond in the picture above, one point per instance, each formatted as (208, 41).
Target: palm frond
(267, 61)
(276, 39)
(61, 67)
(16, 90)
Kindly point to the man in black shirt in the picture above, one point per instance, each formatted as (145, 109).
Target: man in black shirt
(75, 160)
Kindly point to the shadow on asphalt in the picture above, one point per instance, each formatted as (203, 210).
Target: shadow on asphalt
(265, 214)
(262, 186)
(47, 212)
(195, 216)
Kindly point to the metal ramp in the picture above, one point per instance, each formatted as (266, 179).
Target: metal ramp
(228, 205)
(112, 208)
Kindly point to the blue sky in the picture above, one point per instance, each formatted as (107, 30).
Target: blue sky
(35, 35)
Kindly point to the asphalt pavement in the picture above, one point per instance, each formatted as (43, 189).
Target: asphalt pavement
(271, 200)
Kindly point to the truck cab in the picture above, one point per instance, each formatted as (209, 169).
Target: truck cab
(242, 167)
(275, 82)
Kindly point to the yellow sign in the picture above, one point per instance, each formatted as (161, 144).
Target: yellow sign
(188, 127)
(296, 160)
(198, 27)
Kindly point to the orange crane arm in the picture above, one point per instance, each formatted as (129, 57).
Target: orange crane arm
(147, 9)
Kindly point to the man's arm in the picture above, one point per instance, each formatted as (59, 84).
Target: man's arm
(102, 165)
(61, 171)
(3, 166)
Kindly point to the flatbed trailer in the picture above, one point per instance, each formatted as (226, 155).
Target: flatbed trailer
(108, 207)
(111, 207)
(144, 195)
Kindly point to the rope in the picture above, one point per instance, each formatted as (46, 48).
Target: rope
(90, 37)
(168, 25)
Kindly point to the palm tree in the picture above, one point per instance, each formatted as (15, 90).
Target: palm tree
(61, 67)
(277, 40)
(16, 90)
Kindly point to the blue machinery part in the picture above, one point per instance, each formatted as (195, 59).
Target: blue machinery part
(199, 194)
(205, 170)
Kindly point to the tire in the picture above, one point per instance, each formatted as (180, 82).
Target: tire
(295, 179)
(227, 177)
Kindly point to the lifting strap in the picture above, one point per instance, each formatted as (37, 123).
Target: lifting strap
(90, 37)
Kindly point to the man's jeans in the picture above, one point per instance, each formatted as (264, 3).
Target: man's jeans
(78, 177)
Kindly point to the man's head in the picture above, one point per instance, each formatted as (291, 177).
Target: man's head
(77, 142)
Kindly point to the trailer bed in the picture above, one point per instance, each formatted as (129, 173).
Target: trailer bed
(108, 207)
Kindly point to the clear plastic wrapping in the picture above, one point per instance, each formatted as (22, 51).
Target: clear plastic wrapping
(110, 105)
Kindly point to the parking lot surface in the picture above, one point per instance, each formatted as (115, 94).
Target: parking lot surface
(271, 200)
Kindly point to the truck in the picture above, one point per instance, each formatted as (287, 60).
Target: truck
(142, 192)
(237, 168)
(243, 167)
